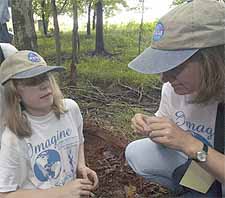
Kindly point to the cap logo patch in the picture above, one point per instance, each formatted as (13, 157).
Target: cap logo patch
(33, 57)
(158, 32)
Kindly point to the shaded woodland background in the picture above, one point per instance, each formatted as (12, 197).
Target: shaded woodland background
(26, 37)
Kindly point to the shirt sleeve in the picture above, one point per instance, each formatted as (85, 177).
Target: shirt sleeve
(12, 162)
(77, 117)
(164, 107)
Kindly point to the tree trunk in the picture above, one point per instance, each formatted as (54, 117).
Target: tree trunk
(56, 33)
(93, 20)
(62, 8)
(23, 24)
(141, 27)
(44, 21)
(99, 44)
(89, 20)
(75, 44)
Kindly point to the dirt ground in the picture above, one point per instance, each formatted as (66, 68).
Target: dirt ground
(105, 154)
(105, 140)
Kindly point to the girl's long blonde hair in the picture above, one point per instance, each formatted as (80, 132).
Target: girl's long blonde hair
(14, 117)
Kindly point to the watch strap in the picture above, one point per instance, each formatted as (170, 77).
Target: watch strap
(205, 148)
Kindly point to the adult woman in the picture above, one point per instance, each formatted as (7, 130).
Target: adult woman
(188, 51)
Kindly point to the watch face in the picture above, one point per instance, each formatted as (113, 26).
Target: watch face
(201, 156)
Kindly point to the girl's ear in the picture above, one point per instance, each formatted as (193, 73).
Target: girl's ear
(18, 96)
(19, 99)
(20, 102)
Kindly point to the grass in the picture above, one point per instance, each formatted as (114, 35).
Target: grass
(103, 71)
(118, 39)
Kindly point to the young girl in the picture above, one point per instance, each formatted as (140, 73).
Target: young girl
(188, 51)
(42, 151)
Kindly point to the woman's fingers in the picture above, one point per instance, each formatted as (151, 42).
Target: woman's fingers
(160, 140)
(136, 127)
(160, 125)
(147, 124)
(158, 133)
(139, 123)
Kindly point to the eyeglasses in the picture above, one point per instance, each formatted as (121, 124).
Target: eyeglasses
(34, 81)
(177, 70)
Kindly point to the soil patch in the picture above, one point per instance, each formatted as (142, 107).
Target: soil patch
(105, 154)
(107, 112)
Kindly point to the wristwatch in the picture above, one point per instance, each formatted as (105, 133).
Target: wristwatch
(201, 156)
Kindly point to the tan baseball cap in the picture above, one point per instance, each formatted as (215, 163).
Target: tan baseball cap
(179, 34)
(24, 64)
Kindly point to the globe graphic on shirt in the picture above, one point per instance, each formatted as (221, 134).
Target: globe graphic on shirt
(47, 165)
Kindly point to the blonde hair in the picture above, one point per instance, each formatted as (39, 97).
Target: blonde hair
(15, 118)
(212, 75)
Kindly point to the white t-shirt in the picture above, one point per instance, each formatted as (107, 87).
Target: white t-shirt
(48, 158)
(194, 118)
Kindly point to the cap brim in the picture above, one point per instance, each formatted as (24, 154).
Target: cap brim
(154, 61)
(35, 71)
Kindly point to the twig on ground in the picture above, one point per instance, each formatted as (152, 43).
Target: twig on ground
(141, 94)
(137, 91)
(96, 88)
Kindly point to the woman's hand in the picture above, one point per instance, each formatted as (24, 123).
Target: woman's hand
(87, 173)
(139, 124)
(166, 132)
(163, 131)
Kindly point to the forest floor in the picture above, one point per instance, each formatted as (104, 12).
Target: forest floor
(109, 94)
(105, 154)
(106, 136)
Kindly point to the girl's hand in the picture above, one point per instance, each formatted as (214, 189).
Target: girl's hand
(166, 132)
(139, 124)
(87, 173)
(78, 188)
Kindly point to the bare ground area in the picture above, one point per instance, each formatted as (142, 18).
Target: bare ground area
(105, 154)
(106, 137)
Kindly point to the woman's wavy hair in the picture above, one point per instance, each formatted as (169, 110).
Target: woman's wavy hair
(212, 75)
(14, 116)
